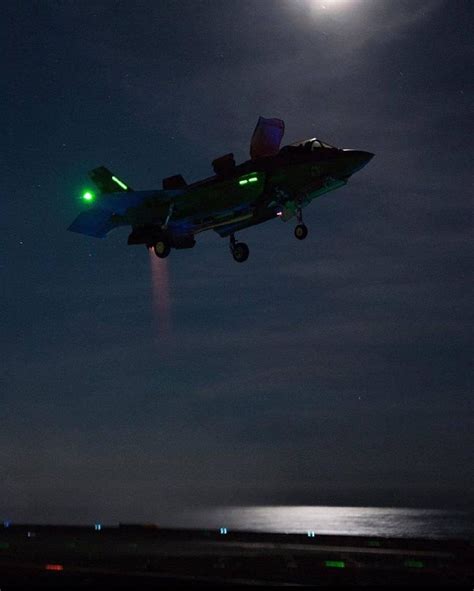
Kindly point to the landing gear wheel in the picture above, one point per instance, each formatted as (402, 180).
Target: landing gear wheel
(240, 252)
(162, 249)
(301, 231)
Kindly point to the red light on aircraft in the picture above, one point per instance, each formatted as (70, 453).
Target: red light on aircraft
(54, 567)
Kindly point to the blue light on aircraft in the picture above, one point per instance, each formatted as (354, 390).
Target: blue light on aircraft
(97, 526)
(223, 531)
(7, 523)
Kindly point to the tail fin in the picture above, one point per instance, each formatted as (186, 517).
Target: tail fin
(106, 182)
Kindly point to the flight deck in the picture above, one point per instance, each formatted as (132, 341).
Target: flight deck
(147, 556)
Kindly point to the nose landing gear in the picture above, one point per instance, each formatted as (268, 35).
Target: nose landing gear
(240, 251)
(301, 231)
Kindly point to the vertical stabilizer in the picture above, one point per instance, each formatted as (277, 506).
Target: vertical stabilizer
(107, 182)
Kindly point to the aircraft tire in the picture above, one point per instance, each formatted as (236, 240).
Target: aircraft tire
(301, 231)
(162, 249)
(240, 252)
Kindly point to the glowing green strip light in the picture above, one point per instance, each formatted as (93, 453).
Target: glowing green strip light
(335, 564)
(252, 179)
(88, 196)
(414, 563)
(119, 183)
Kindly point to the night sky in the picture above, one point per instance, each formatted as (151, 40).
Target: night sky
(330, 371)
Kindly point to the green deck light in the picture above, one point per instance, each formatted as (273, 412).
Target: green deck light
(374, 543)
(335, 564)
(119, 183)
(414, 564)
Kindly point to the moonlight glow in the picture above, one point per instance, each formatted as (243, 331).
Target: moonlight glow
(333, 4)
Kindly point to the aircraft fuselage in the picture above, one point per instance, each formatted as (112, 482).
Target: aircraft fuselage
(279, 185)
(236, 197)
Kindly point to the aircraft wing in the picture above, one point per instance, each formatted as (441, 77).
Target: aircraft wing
(93, 222)
(266, 137)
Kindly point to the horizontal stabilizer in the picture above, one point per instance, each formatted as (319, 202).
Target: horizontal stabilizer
(224, 164)
(174, 182)
(106, 182)
(94, 222)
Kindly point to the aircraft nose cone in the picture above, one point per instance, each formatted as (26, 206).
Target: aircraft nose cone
(357, 159)
(361, 158)
(367, 156)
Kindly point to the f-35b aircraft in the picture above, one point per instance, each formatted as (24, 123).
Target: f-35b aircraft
(273, 183)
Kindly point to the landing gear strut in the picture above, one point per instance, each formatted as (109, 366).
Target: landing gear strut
(239, 250)
(301, 231)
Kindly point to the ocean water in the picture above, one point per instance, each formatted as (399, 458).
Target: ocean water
(359, 521)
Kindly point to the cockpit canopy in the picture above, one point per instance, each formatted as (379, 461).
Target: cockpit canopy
(309, 145)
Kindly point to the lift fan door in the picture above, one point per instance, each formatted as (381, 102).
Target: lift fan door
(266, 137)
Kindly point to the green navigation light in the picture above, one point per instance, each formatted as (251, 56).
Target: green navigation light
(88, 196)
(243, 182)
(119, 183)
(254, 179)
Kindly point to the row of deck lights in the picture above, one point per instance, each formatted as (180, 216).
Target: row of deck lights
(224, 531)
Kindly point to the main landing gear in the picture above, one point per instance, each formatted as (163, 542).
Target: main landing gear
(162, 248)
(301, 231)
(240, 251)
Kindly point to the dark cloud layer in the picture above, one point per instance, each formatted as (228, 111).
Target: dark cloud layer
(332, 371)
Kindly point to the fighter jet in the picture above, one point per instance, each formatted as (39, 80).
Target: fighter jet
(275, 183)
